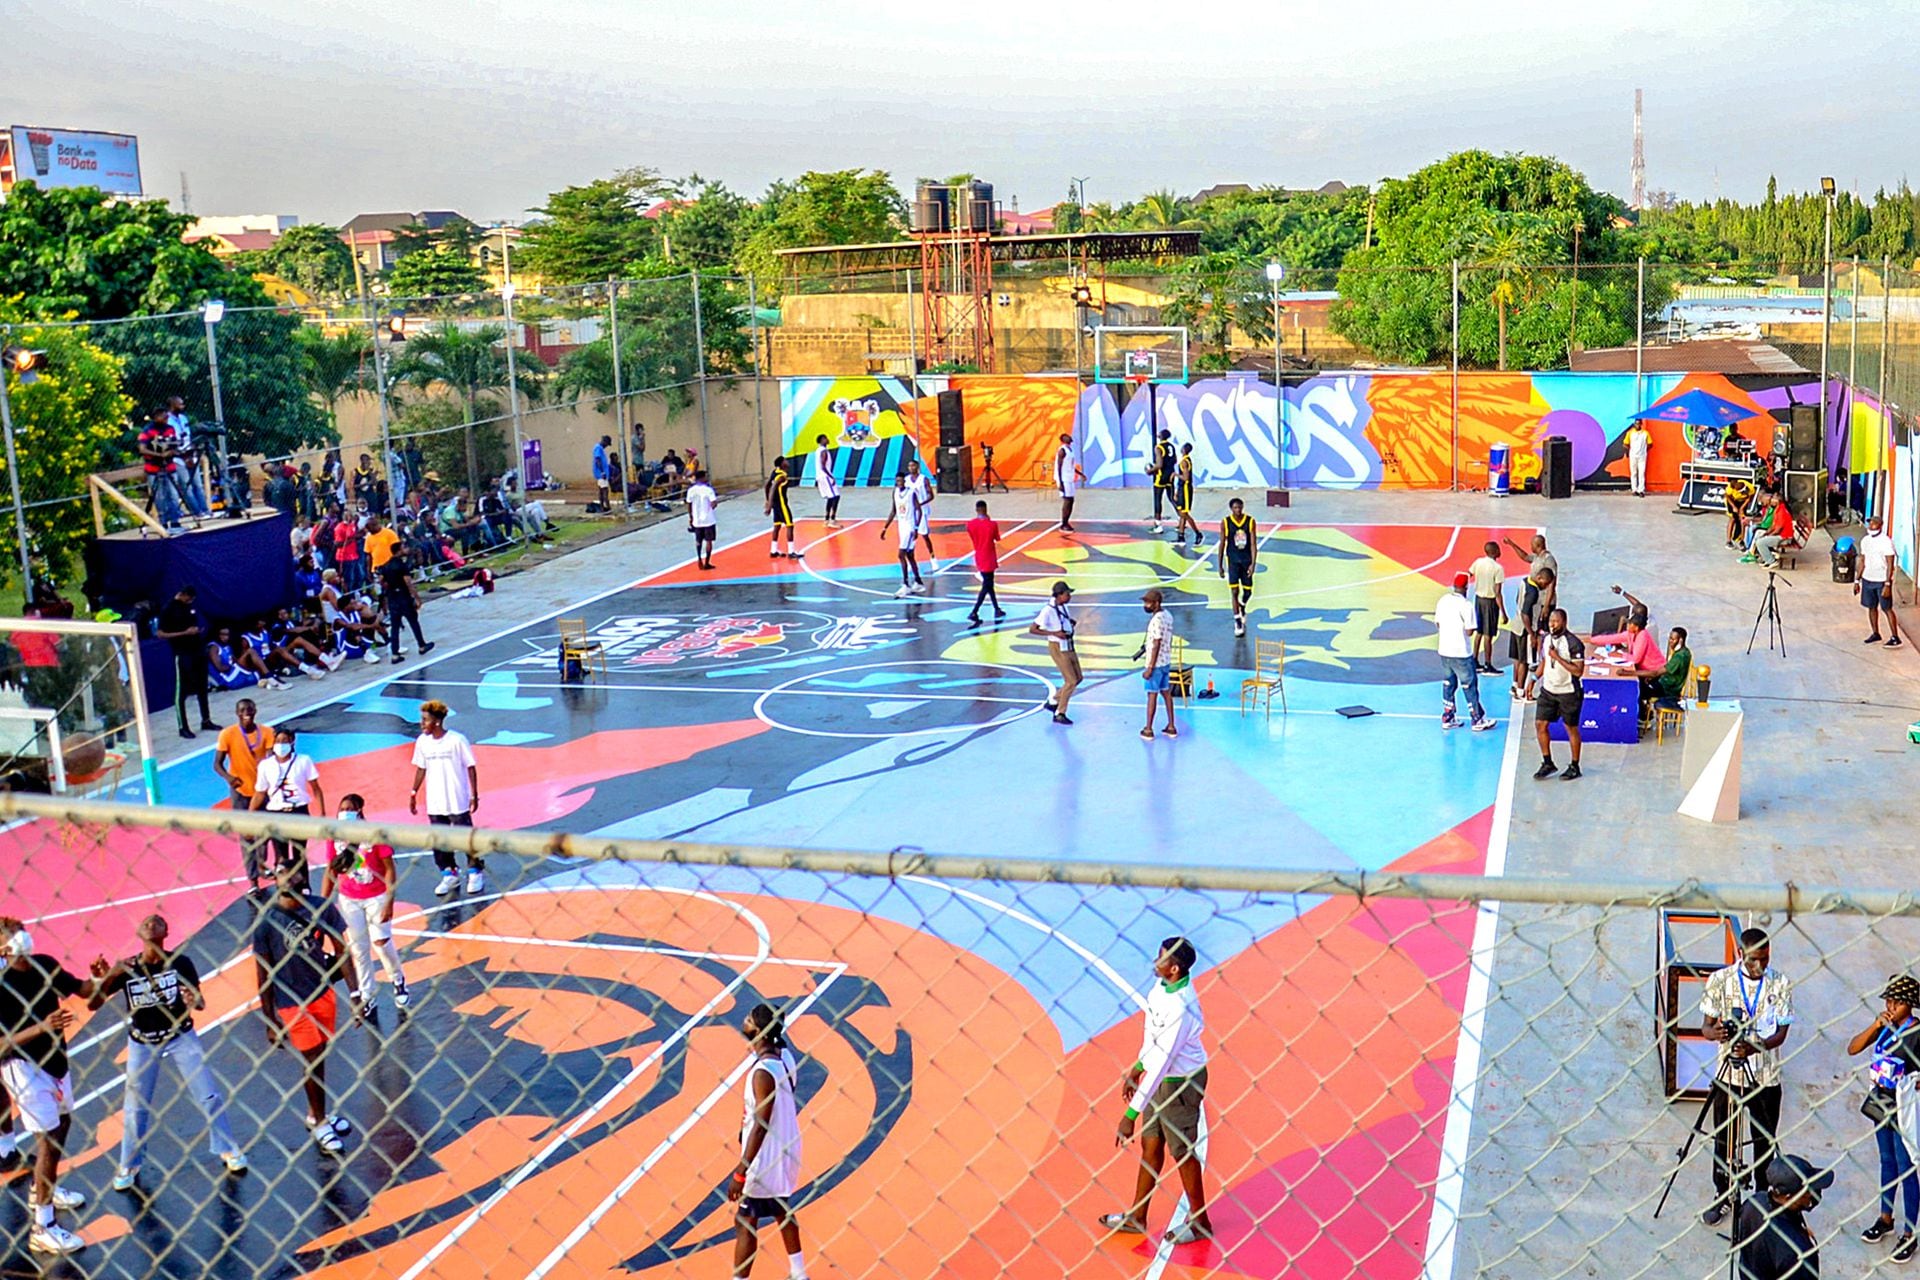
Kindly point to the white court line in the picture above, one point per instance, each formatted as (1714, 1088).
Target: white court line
(579, 1122)
(1443, 1226)
(640, 948)
(1163, 1252)
(666, 1144)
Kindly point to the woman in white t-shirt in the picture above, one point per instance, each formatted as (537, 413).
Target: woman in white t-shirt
(768, 1174)
(361, 879)
(288, 782)
(444, 769)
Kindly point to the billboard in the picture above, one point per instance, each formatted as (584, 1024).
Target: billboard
(70, 158)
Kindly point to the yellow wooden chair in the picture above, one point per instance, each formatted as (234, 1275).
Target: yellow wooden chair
(1675, 716)
(1180, 674)
(1269, 672)
(576, 647)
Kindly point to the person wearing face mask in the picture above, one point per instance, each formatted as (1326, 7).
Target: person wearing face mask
(1167, 1087)
(289, 782)
(360, 880)
(1894, 1037)
(769, 1170)
(299, 952)
(33, 1066)
(162, 990)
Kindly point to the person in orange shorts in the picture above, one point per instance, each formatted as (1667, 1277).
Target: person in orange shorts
(299, 953)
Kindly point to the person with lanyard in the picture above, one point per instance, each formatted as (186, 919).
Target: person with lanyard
(299, 952)
(906, 507)
(702, 503)
(1239, 548)
(1639, 440)
(1774, 1240)
(1894, 1037)
(1875, 587)
(984, 533)
(825, 481)
(289, 783)
(1066, 475)
(185, 631)
(1055, 622)
(447, 773)
(237, 756)
(780, 507)
(34, 1069)
(1183, 500)
(361, 880)
(1161, 469)
(768, 1175)
(1158, 673)
(162, 990)
(1747, 1009)
(1167, 1087)
(922, 489)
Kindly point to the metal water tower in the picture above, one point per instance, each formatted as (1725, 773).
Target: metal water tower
(954, 223)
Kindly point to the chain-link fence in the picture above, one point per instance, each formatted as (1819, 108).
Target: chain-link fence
(536, 1066)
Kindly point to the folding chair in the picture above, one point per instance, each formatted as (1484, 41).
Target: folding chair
(1180, 675)
(1676, 715)
(1269, 671)
(574, 646)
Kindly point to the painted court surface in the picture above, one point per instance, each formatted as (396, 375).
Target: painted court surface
(563, 1099)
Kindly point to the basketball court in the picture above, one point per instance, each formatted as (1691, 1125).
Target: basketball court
(563, 1097)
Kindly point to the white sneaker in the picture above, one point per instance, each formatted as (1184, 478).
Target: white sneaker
(235, 1161)
(448, 883)
(1156, 527)
(1483, 724)
(371, 656)
(903, 593)
(332, 661)
(65, 1199)
(328, 1141)
(54, 1238)
(476, 881)
(273, 682)
(1239, 627)
(919, 588)
(401, 998)
(329, 1123)
(125, 1179)
(314, 673)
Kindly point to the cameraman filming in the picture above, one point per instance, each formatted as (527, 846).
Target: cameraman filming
(1748, 1010)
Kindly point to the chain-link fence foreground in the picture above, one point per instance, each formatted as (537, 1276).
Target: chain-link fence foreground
(1404, 1075)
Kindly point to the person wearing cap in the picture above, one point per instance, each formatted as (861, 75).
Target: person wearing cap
(1753, 995)
(1772, 1233)
(1894, 1038)
(1454, 618)
(1056, 624)
(1159, 669)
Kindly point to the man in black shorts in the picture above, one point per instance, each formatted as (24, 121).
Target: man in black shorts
(1562, 659)
(701, 501)
(1161, 469)
(1239, 544)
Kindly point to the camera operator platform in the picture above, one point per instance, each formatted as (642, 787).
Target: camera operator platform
(1748, 1008)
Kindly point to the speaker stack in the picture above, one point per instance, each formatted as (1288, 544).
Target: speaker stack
(1803, 438)
(1556, 455)
(956, 469)
(953, 420)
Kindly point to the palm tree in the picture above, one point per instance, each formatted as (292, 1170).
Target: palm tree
(334, 366)
(468, 363)
(1160, 211)
(1503, 249)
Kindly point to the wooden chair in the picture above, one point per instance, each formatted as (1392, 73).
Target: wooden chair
(1675, 716)
(1180, 675)
(575, 646)
(1269, 671)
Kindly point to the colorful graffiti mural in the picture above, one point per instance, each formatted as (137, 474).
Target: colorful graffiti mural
(873, 425)
(1412, 430)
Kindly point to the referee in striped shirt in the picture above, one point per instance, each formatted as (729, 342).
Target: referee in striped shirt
(1166, 1088)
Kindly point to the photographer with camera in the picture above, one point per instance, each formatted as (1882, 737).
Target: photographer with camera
(1748, 1010)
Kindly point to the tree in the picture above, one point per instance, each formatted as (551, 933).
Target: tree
(313, 258)
(1216, 291)
(442, 427)
(1160, 211)
(708, 228)
(846, 206)
(336, 366)
(435, 273)
(594, 232)
(465, 363)
(657, 347)
(64, 422)
(76, 252)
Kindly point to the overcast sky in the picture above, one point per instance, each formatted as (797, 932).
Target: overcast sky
(325, 108)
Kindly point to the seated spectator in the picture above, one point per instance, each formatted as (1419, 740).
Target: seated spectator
(300, 640)
(460, 524)
(236, 668)
(499, 520)
(1643, 655)
(1665, 686)
(1779, 532)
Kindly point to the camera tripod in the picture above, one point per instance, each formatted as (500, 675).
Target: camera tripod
(1770, 614)
(1736, 1076)
(988, 476)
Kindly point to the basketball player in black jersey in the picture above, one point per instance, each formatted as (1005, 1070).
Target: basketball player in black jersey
(1239, 546)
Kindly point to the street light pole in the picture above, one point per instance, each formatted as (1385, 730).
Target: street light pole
(513, 368)
(1276, 272)
(1826, 319)
(211, 314)
(13, 482)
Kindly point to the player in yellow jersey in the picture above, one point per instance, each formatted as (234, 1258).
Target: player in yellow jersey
(1239, 549)
(781, 509)
(1183, 500)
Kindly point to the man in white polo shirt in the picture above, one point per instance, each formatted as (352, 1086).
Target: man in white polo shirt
(1875, 587)
(1455, 619)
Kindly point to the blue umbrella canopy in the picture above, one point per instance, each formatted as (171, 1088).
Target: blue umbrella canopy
(1698, 409)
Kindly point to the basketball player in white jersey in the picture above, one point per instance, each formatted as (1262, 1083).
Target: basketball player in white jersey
(905, 511)
(923, 510)
(825, 481)
(1066, 476)
(768, 1174)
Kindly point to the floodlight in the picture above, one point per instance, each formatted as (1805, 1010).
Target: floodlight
(214, 311)
(1276, 272)
(1826, 186)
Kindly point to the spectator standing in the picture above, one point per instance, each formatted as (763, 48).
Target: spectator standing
(1454, 619)
(162, 992)
(1894, 1037)
(299, 952)
(159, 463)
(361, 879)
(1639, 440)
(984, 533)
(238, 753)
(403, 603)
(446, 772)
(288, 783)
(603, 467)
(1774, 1239)
(1157, 676)
(193, 491)
(1875, 587)
(379, 544)
(1055, 622)
(1490, 606)
(181, 625)
(346, 553)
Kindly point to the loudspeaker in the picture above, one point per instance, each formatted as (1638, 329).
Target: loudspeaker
(1805, 493)
(1556, 455)
(956, 468)
(953, 420)
(1803, 439)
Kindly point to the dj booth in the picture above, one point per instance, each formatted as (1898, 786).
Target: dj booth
(1704, 481)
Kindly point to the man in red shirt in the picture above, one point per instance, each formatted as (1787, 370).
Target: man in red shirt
(346, 554)
(985, 535)
(1766, 547)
